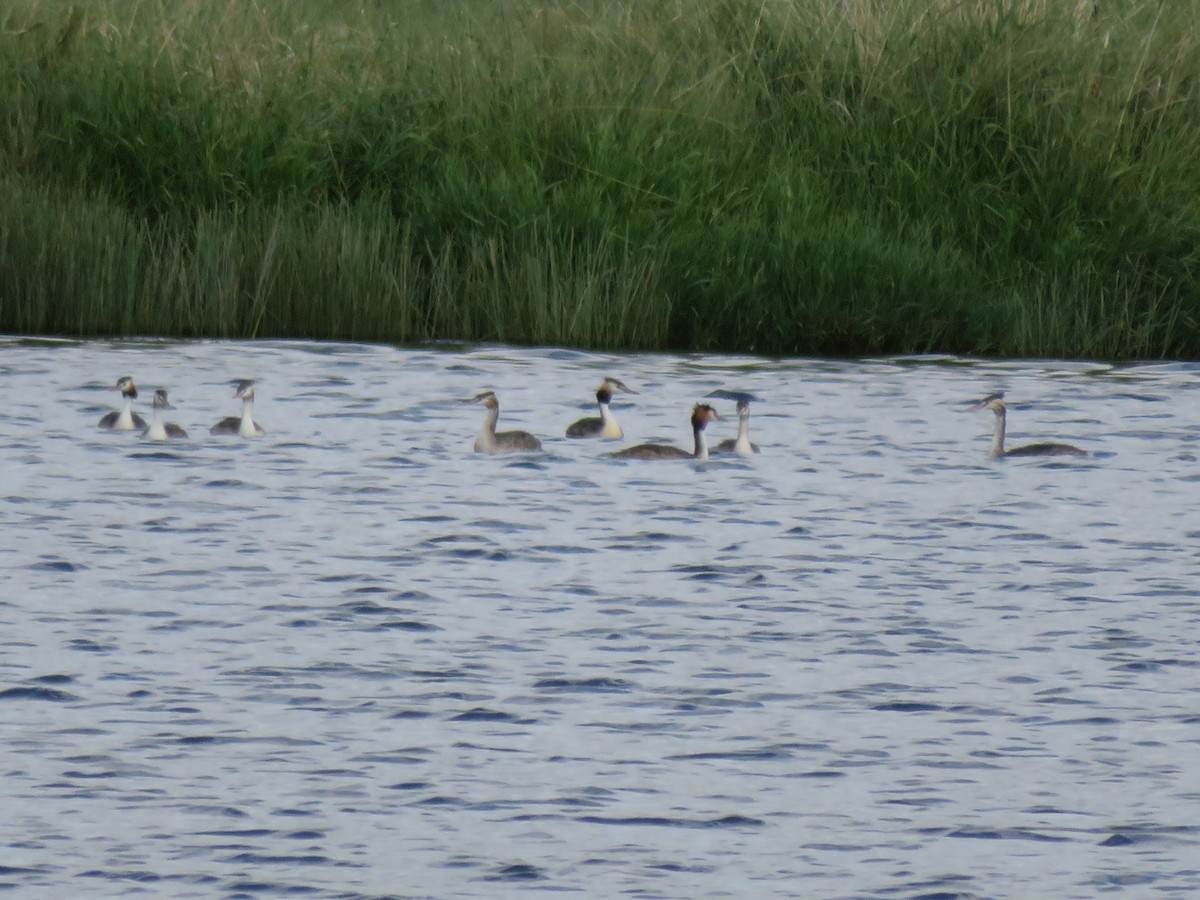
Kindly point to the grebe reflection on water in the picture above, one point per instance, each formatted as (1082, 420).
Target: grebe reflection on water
(702, 414)
(995, 402)
(244, 424)
(605, 425)
(124, 419)
(491, 441)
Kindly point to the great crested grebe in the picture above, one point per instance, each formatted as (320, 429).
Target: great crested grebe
(491, 441)
(124, 419)
(606, 425)
(995, 402)
(702, 414)
(160, 430)
(740, 445)
(243, 424)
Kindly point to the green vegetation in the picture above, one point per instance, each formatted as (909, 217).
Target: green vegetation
(1013, 177)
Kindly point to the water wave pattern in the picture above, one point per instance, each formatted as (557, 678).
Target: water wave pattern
(355, 659)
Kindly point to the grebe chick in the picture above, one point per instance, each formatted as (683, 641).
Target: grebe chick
(740, 445)
(124, 419)
(702, 414)
(606, 425)
(995, 402)
(243, 424)
(491, 441)
(160, 430)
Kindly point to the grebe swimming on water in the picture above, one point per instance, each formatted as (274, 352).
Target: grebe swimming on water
(740, 445)
(160, 430)
(702, 414)
(124, 419)
(995, 402)
(606, 426)
(490, 441)
(243, 424)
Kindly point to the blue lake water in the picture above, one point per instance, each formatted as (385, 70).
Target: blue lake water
(355, 659)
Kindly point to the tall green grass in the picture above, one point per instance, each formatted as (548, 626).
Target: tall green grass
(1013, 177)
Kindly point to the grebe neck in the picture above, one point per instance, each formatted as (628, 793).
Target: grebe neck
(125, 419)
(998, 434)
(247, 429)
(742, 445)
(486, 439)
(157, 430)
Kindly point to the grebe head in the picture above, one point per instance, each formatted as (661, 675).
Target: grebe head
(161, 401)
(615, 386)
(994, 402)
(702, 414)
(487, 398)
(244, 389)
(126, 386)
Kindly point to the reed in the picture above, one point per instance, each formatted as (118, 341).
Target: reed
(1010, 177)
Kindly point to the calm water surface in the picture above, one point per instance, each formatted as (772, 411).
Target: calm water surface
(354, 659)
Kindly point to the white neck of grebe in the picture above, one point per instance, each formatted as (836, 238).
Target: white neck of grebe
(701, 451)
(246, 428)
(157, 430)
(998, 434)
(609, 427)
(125, 419)
(742, 446)
(486, 439)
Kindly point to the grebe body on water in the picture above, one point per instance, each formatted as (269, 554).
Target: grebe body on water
(995, 402)
(702, 414)
(741, 445)
(124, 419)
(244, 424)
(160, 430)
(491, 441)
(605, 425)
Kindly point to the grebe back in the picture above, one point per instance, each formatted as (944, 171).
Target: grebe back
(995, 402)
(124, 419)
(605, 425)
(490, 441)
(702, 414)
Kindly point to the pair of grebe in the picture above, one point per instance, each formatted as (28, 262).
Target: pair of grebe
(603, 426)
(125, 419)
(702, 414)
(606, 426)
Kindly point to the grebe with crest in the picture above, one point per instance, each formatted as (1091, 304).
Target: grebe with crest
(741, 445)
(702, 414)
(995, 402)
(160, 430)
(244, 424)
(124, 419)
(491, 441)
(606, 425)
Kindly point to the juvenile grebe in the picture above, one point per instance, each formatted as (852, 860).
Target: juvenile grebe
(124, 419)
(702, 414)
(606, 426)
(490, 441)
(740, 445)
(160, 430)
(995, 402)
(243, 424)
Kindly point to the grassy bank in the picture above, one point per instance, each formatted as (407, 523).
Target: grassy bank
(817, 176)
